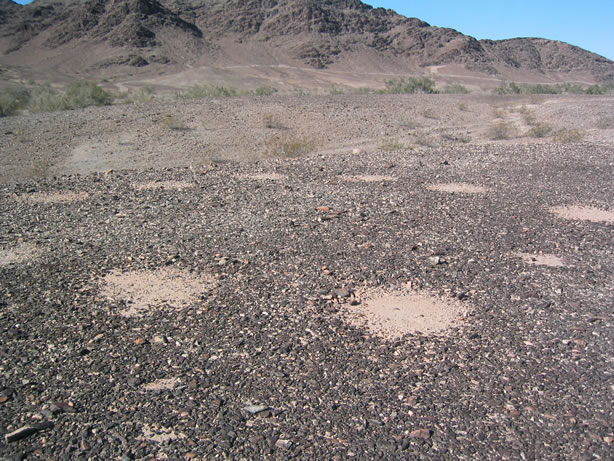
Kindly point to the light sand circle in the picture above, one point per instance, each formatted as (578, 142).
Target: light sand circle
(263, 176)
(392, 315)
(458, 188)
(167, 185)
(53, 197)
(542, 259)
(584, 213)
(159, 434)
(143, 291)
(164, 384)
(368, 178)
(19, 254)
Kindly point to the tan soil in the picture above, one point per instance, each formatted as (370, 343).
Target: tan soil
(167, 185)
(368, 178)
(458, 188)
(16, 255)
(263, 176)
(543, 259)
(147, 290)
(391, 316)
(584, 213)
(161, 384)
(159, 434)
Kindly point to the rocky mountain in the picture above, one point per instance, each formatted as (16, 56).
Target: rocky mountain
(171, 35)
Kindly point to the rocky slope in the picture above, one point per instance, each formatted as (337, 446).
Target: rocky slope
(319, 34)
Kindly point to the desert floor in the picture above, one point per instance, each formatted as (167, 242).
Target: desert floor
(309, 277)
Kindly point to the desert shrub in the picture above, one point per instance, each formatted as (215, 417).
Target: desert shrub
(456, 137)
(424, 139)
(206, 91)
(392, 145)
(170, 121)
(540, 130)
(568, 136)
(264, 91)
(410, 85)
(289, 145)
(12, 99)
(498, 112)
(462, 106)
(270, 121)
(84, 94)
(501, 130)
(454, 88)
(40, 167)
(46, 99)
(604, 122)
(77, 95)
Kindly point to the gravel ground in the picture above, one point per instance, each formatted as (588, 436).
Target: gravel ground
(254, 358)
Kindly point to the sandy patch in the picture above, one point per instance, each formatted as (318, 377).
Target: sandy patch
(458, 187)
(167, 185)
(393, 315)
(164, 384)
(584, 213)
(263, 176)
(19, 254)
(159, 434)
(54, 197)
(142, 291)
(368, 178)
(543, 259)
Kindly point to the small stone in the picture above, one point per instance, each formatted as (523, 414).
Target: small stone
(159, 340)
(255, 409)
(421, 434)
(139, 341)
(434, 260)
(283, 443)
(20, 433)
(608, 439)
(356, 151)
(405, 444)
(323, 209)
(3, 398)
(341, 292)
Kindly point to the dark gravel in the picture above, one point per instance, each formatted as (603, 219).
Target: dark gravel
(266, 367)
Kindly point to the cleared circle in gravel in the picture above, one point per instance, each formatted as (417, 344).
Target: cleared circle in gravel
(368, 178)
(584, 213)
(263, 176)
(19, 254)
(458, 188)
(392, 315)
(543, 259)
(145, 290)
(54, 197)
(167, 185)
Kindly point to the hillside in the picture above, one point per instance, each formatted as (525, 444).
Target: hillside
(63, 39)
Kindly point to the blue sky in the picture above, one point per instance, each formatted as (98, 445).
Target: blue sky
(588, 24)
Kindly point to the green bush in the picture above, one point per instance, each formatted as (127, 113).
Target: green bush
(455, 88)
(46, 99)
(206, 91)
(265, 91)
(12, 99)
(84, 94)
(410, 85)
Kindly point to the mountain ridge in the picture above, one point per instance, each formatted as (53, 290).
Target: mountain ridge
(166, 36)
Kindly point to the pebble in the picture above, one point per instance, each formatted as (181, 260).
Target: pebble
(20, 433)
(421, 434)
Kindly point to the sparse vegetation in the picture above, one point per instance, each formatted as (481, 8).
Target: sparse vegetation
(454, 88)
(498, 112)
(77, 95)
(568, 136)
(604, 123)
(264, 91)
(463, 107)
(559, 88)
(410, 85)
(392, 145)
(501, 130)
(12, 99)
(272, 122)
(430, 113)
(40, 167)
(424, 139)
(206, 91)
(170, 121)
(456, 138)
(288, 145)
(540, 130)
